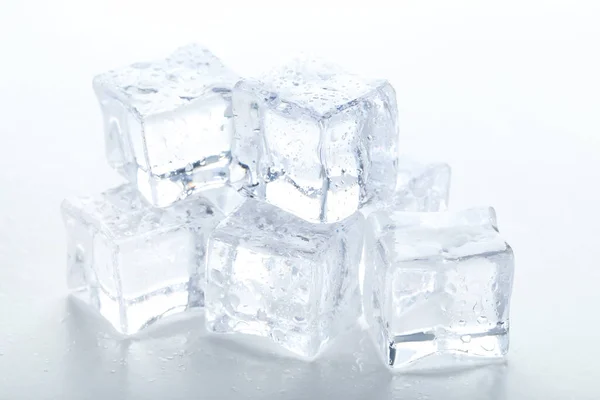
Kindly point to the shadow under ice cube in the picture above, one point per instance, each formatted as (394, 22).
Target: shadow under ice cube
(134, 263)
(438, 283)
(168, 124)
(316, 141)
(274, 275)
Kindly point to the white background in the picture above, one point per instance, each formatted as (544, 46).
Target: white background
(507, 92)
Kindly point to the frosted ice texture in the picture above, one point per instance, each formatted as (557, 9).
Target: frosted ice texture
(134, 263)
(168, 124)
(274, 275)
(437, 283)
(316, 141)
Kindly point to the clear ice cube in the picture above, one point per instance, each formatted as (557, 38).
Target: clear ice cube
(134, 263)
(437, 283)
(168, 124)
(316, 141)
(274, 275)
(419, 188)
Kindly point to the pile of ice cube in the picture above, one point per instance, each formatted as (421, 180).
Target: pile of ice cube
(247, 198)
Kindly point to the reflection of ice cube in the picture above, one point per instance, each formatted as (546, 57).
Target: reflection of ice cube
(437, 283)
(316, 141)
(275, 275)
(486, 382)
(168, 124)
(134, 263)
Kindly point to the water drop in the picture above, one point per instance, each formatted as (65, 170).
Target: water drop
(141, 65)
(466, 338)
(482, 320)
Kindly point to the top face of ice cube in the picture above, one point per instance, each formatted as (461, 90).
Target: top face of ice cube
(120, 213)
(312, 84)
(406, 236)
(266, 228)
(153, 87)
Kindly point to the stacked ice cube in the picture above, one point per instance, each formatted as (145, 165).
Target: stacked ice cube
(279, 207)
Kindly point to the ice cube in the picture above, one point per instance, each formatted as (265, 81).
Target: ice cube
(168, 124)
(316, 141)
(134, 263)
(419, 188)
(274, 275)
(437, 283)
